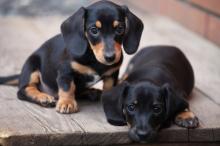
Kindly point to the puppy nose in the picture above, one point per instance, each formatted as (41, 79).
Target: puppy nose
(109, 57)
(142, 134)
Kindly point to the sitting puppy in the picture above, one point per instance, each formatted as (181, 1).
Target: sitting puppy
(152, 93)
(88, 50)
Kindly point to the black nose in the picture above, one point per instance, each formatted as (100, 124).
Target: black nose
(142, 134)
(109, 57)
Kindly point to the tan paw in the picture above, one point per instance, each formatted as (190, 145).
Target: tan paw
(46, 100)
(187, 119)
(66, 106)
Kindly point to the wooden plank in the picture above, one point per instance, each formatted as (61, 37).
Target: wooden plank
(176, 144)
(45, 126)
(173, 134)
(209, 116)
(28, 124)
(88, 127)
(20, 37)
(96, 128)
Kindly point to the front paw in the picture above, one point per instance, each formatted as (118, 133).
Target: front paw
(187, 119)
(46, 100)
(66, 106)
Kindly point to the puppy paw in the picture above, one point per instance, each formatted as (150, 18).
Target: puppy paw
(66, 106)
(187, 119)
(46, 100)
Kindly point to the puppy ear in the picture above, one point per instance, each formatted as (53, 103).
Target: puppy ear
(174, 101)
(134, 28)
(73, 33)
(113, 101)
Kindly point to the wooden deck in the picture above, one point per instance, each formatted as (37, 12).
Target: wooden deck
(26, 124)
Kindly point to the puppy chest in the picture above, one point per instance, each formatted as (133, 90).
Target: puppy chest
(92, 79)
(86, 80)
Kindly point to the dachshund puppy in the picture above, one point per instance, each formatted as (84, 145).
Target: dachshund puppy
(87, 50)
(152, 93)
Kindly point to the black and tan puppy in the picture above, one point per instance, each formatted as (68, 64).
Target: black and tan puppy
(87, 50)
(152, 93)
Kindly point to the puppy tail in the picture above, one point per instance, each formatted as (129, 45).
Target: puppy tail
(10, 80)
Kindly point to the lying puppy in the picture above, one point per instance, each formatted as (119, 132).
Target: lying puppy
(88, 50)
(152, 93)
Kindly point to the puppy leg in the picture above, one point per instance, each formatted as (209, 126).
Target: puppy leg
(187, 119)
(110, 81)
(29, 82)
(66, 103)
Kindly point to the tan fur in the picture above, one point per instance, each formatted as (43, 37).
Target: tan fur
(82, 68)
(111, 71)
(12, 82)
(67, 94)
(115, 23)
(108, 83)
(67, 103)
(33, 92)
(118, 51)
(98, 50)
(135, 102)
(98, 24)
(185, 115)
(34, 78)
(37, 95)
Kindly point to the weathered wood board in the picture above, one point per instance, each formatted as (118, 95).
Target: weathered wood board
(26, 124)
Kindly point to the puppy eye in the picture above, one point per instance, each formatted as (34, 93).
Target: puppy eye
(94, 31)
(157, 109)
(120, 30)
(131, 107)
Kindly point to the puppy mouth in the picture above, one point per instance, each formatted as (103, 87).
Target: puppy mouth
(105, 62)
(141, 139)
(109, 63)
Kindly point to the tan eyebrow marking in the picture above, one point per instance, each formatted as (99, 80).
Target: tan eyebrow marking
(98, 24)
(135, 102)
(115, 23)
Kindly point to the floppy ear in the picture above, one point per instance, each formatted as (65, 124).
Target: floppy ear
(134, 28)
(174, 101)
(73, 33)
(112, 101)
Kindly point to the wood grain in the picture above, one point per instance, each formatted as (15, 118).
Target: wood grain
(209, 114)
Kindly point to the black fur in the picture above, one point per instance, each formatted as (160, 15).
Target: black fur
(6, 80)
(73, 33)
(158, 82)
(134, 31)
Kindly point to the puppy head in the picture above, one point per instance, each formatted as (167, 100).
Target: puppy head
(144, 106)
(104, 27)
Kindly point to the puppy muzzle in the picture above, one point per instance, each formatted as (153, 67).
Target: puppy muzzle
(142, 136)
